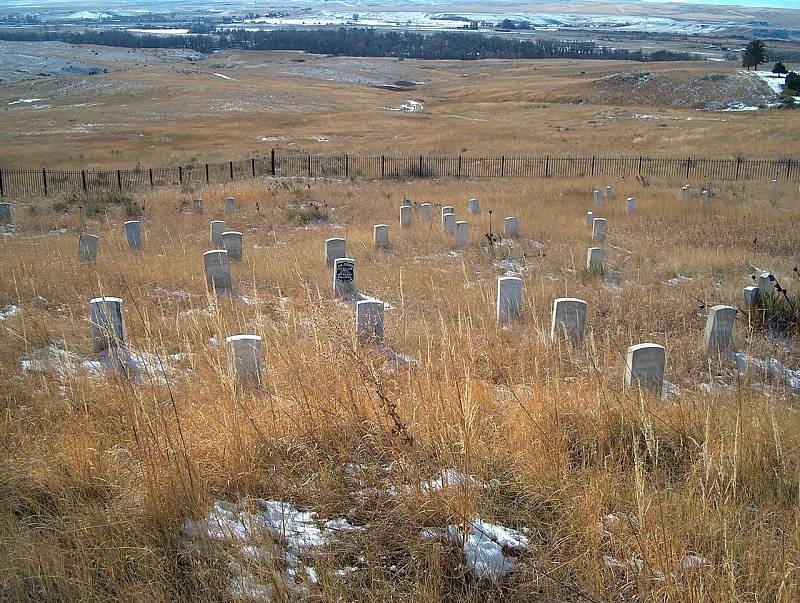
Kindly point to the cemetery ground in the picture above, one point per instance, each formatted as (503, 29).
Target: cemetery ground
(161, 108)
(457, 460)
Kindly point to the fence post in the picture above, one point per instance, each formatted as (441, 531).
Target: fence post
(309, 165)
(2, 185)
(273, 161)
(640, 164)
(738, 163)
(346, 166)
(420, 166)
(180, 175)
(119, 180)
(547, 166)
(231, 170)
(502, 166)
(83, 182)
(44, 179)
(383, 166)
(459, 166)
(788, 169)
(253, 165)
(592, 165)
(688, 164)
(151, 177)
(207, 179)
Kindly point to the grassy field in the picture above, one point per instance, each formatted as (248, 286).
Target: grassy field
(152, 110)
(617, 494)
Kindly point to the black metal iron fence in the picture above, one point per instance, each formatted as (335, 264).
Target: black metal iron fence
(31, 183)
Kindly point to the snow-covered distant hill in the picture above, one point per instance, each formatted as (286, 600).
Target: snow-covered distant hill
(630, 16)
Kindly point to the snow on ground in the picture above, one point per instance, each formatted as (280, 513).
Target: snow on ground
(25, 101)
(772, 369)
(266, 532)
(409, 106)
(484, 547)
(776, 82)
(458, 20)
(142, 367)
(224, 77)
(9, 312)
(86, 15)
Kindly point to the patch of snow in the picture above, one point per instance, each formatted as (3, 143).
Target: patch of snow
(10, 312)
(679, 279)
(775, 81)
(224, 77)
(25, 101)
(740, 107)
(693, 562)
(772, 368)
(86, 15)
(409, 106)
(243, 527)
(484, 547)
(450, 478)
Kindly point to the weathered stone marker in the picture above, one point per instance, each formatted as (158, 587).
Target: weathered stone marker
(631, 206)
(449, 223)
(232, 243)
(474, 207)
(87, 247)
(230, 206)
(594, 259)
(198, 206)
(405, 216)
(609, 192)
(217, 228)
(598, 198)
(344, 276)
(370, 320)
(244, 358)
(589, 219)
(106, 323)
(569, 319)
(218, 271)
(5, 212)
(133, 234)
(511, 229)
(462, 233)
(645, 366)
(447, 209)
(406, 203)
(719, 329)
(766, 283)
(380, 235)
(509, 299)
(705, 196)
(426, 212)
(750, 297)
(599, 229)
(335, 248)
(687, 191)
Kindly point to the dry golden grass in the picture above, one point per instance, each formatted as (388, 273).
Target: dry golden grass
(175, 113)
(97, 475)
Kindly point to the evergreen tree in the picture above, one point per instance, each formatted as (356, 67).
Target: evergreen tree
(780, 68)
(755, 54)
(793, 82)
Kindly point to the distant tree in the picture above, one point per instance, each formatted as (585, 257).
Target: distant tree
(793, 82)
(780, 68)
(755, 54)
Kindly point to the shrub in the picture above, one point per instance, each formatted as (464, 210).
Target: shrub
(793, 82)
(780, 68)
